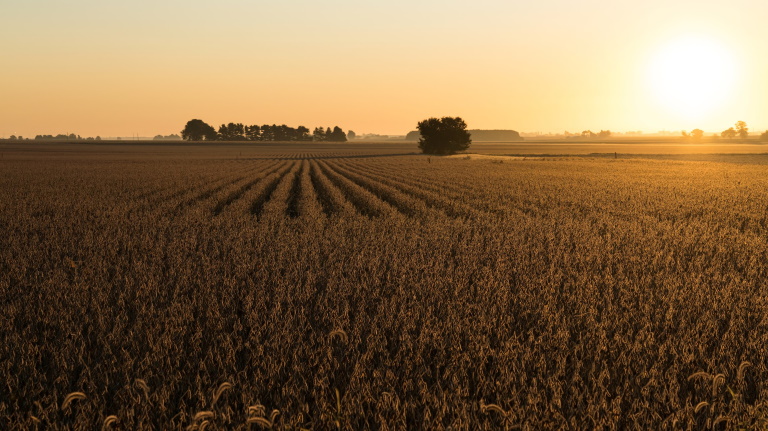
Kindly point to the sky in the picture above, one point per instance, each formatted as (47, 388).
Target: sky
(118, 68)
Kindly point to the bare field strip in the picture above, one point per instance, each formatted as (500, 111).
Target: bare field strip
(354, 287)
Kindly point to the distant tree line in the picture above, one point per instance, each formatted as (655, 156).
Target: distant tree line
(600, 134)
(61, 137)
(171, 137)
(198, 130)
(740, 130)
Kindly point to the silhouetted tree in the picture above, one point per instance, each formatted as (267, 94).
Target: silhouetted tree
(338, 135)
(588, 134)
(302, 134)
(318, 134)
(729, 133)
(604, 134)
(763, 137)
(13, 137)
(351, 135)
(253, 133)
(697, 134)
(232, 132)
(197, 130)
(742, 130)
(446, 135)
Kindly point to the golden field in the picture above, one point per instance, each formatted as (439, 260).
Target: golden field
(357, 286)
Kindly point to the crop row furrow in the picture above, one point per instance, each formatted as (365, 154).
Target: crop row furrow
(294, 194)
(364, 201)
(196, 185)
(275, 206)
(467, 198)
(403, 203)
(309, 204)
(431, 180)
(329, 196)
(266, 192)
(432, 199)
(235, 195)
(200, 197)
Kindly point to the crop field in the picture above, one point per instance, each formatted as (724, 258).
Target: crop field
(361, 287)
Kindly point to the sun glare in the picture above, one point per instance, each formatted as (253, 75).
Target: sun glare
(692, 76)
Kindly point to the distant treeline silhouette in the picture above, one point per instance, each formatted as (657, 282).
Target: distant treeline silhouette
(60, 137)
(479, 135)
(171, 137)
(198, 130)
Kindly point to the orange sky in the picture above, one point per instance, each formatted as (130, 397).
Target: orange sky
(146, 67)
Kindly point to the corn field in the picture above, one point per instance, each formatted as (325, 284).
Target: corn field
(355, 289)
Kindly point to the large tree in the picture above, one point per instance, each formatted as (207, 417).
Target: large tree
(197, 130)
(338, 135)
(318, 134)
(729, 133)
(742, 130)
(446, 135)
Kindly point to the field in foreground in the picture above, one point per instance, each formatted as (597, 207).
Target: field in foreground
(366, 289)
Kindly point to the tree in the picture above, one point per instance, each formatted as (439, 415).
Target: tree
(728, 134)
(446, 135)
(302, 134)
(742, 130)
(232, 132)
(351, 135)
(337, 135)
(697, 134)
(604, 134)
(318, 134)
(764, 136)
(197, 130)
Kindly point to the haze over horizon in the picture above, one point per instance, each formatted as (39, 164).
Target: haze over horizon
(119, 69)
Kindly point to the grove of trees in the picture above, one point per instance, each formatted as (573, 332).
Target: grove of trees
(335, 135)
(696, 134)
(591, 134)
(447, 135)
(198, 130)
(739, 130)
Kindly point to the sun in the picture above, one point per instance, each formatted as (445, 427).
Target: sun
(692, 76)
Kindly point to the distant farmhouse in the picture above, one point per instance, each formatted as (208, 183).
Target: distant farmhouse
(480, 136)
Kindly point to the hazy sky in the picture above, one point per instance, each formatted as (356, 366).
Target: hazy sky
(117, 68)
